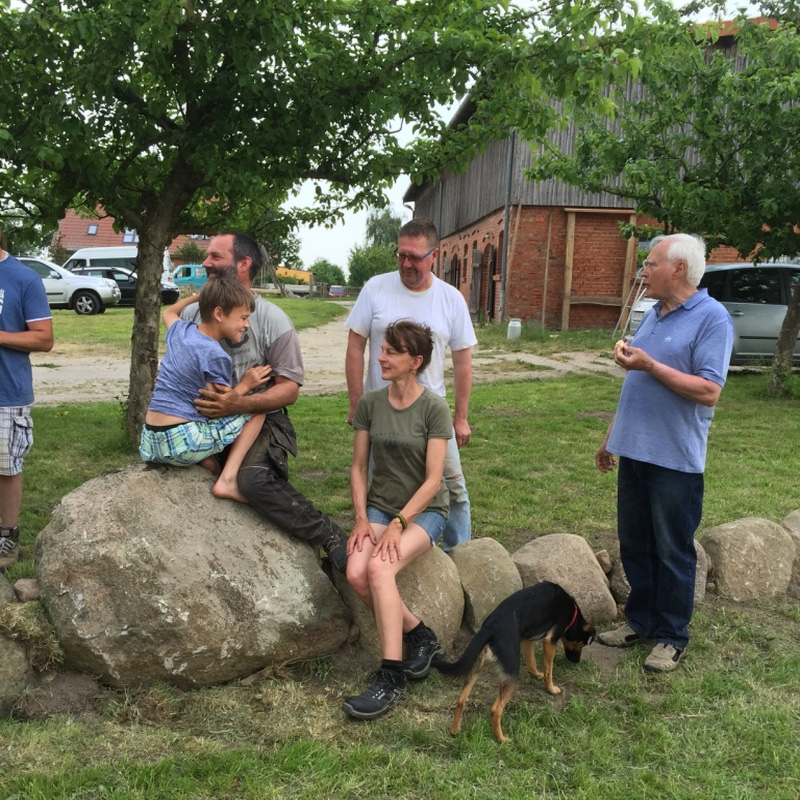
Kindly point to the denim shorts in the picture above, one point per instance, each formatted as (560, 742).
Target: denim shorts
(430, 521)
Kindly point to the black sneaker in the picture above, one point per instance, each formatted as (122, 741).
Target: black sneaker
(335, 546)
(421, 645)
(9, 546)
(387, 688)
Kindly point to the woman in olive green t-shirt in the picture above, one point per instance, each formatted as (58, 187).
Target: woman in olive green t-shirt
(401, 514)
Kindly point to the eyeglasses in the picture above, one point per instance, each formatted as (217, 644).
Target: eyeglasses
(416, 260)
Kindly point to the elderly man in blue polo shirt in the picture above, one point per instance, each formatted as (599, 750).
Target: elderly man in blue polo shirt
(676, 367)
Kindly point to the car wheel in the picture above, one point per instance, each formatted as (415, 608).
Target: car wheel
(86, 303)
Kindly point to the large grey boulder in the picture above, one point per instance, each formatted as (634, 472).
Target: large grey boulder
(7, 594)
(488, 575)
(147, 576)
(792, 521)
(429, 586)
(792, 524)
(15, 671)
(567, 560)
(751, 558)
(15, 674)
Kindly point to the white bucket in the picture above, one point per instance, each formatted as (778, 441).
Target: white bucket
(514, 328)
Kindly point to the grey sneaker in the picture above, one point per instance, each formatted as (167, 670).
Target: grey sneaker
(9, 546)
(621, 637)
(663, 658)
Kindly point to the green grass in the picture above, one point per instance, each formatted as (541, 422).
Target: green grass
(109, 334)
(723, 727)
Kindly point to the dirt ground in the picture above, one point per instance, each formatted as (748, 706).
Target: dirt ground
(66, 376)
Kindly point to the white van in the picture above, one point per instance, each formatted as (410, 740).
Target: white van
(123, 256)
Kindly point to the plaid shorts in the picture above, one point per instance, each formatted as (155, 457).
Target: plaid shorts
(16, 438)
(190, 442)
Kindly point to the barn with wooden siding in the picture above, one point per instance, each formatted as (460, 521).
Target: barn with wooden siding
(565, 264)
(545, 252)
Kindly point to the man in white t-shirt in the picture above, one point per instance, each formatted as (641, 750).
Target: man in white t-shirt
(415, 293)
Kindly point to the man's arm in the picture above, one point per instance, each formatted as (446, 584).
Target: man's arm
(354, 370)
(603, 459)
(462, 384)
(691, 387)
(38, 338)
(214, 404)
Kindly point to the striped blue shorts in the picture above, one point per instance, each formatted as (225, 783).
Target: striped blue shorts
(190, 442)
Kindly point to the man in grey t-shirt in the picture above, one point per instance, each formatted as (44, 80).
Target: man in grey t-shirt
(272, 340)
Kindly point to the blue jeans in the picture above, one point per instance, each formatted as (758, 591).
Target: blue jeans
(459, 523)
(430, 521)
(658, 512)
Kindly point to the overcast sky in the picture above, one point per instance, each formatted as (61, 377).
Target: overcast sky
(335, 244)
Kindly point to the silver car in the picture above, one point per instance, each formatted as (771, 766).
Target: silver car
(81, 293)
(756, 298)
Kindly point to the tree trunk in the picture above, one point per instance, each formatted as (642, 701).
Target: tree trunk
(784, 349)
(146, 328)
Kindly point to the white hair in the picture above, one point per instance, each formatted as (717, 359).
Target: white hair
(689, 248)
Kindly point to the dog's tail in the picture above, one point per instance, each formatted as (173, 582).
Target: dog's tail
(468, 658)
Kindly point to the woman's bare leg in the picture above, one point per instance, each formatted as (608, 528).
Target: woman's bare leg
(392, 616)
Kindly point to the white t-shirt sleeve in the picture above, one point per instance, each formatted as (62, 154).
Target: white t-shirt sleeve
(359, 320)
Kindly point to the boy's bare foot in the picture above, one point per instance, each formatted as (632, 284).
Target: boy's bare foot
(228, 490)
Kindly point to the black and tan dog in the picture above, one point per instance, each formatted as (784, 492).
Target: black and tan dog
(542, 612)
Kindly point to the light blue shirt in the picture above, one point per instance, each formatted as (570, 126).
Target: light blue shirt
(653, 423)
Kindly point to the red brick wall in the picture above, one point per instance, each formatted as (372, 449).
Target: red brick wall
(534, 281)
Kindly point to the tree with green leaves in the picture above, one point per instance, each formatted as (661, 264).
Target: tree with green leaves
(190, 253)
(327, 272)
(376, 255)
(284, 251)
(194, 116)
(367, 260)
(383, 225)
(707, 142)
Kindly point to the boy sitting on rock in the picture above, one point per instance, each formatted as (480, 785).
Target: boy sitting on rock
(175, 432)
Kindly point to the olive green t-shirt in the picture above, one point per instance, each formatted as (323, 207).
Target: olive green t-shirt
(399, 445)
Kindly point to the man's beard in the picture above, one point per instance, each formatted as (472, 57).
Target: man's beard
(213, 272)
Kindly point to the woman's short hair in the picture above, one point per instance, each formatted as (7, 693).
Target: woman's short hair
(225, 292)
(410, 337)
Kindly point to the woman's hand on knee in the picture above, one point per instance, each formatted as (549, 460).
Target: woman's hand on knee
(361, 532)
(389, 545)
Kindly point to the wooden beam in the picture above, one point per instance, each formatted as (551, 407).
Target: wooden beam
(569, 258)
(630, 261)
(594, 300)
(617, 211)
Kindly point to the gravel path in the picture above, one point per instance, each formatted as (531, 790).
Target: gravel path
(59, 378)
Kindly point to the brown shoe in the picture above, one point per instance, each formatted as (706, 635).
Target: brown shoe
(9, 546)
